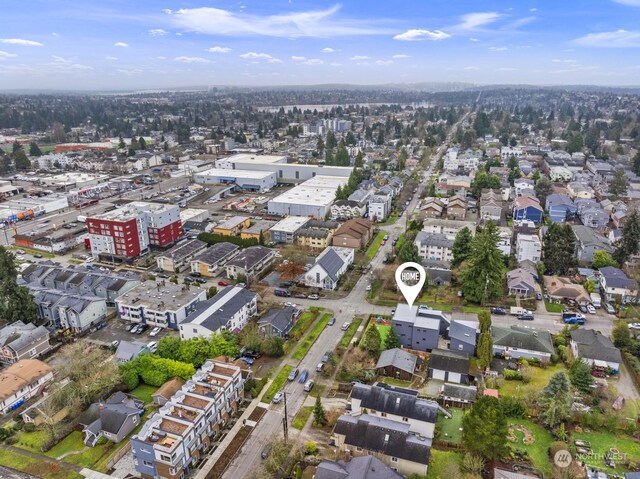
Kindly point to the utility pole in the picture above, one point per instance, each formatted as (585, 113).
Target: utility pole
(285, 424)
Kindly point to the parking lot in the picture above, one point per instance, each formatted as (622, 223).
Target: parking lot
(116, 330)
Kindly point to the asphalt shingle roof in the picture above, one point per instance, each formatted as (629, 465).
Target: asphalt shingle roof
(398, 358)
(594, 345)
(523, 338)
(445, 360)
(389, 400)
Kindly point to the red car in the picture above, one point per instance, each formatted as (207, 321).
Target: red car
(223, 283)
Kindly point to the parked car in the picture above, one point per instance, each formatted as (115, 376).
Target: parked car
(196, 274)
(293, 374)
(583, 308)
(163, 276)
(309, 385)
(345, 325)
(189, 279)
(267, 449)
(155, 331)
(301, 296)
(303, 377)
(634, 325)
(277, 397)
(115, 343)
(332, 321)
(313, 296)
(526, 317)
(500, 311)
(248, 361)
(130, 326)
(223, 283)
(591, 309)
(142, 328)
(539, 296)
(368, 288)
(609, 308)
(37, 256)
(153, 346)
(326, 356)
(241, 285)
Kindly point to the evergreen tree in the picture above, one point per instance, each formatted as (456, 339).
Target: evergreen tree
(636, 163)
(543, 188)
(328, 157)
(34, 149)
(409, 253)
(484, 278)
(485, 350)
(629, 244)
(16, 302)
(392, 340)
(483, 181)
(21, 161)
(320, 145)
(371, 339)
(461, 248)
(319, 415)
(359, 160)
(619, 183)
(331, 142)
(555, 401)
(580, 374)
(342, 155)
(558, 248)
(484, 318)
(142, 144)
(485, 429)
(621, 335)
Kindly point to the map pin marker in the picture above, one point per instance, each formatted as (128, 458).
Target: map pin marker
(410, 278)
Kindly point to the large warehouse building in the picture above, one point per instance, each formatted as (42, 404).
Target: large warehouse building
(312, 198)
(252, 180)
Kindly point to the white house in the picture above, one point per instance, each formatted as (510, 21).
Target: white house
(329, 267)
(528, 247)
(595, 349)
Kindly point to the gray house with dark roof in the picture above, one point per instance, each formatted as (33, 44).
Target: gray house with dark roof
(463, 336)
(617, 286)
(209, 261)
(389, 441)
(22, 341)
(277, 322)
(449, 366)
(113, 419)
(518, 342)
(129, 350)
(329, 267)
(363, 467)
(458, 395)
(397, 404)
(595, 349)
(419, 327)
(397, 363)
(250, 262)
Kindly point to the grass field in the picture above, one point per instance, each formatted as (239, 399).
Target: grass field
(303, 323)
(539, 379)
(278, 383)
(302, 417)
(450, 428)
(375, 245)
(383, 329)
(602, 442)
(391, 219)
(439, 461)
(554, 308)
(538, 451)
(144, 393)
(350, 333)
(32, 441)
(35, 467)
(309, 339)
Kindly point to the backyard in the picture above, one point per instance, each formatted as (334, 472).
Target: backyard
(439, 462)
(539, 379)
(602, 443)
(532, 440)
(450, 430)
(144, 393)
(35, 467)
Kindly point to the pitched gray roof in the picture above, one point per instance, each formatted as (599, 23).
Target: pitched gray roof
(249, 257)
(331, 262)
(594, 345)
(214, 319)
(359, 467)
(18, 335)
(113, 416)
(502, 474)
(398, 358)
(391, 438)
(384, 398)
(464, 331)
(280, 319)
(128, 350)
(458, 391)
(616, 278)
(183, 250)
(445, 360)
(523, 338)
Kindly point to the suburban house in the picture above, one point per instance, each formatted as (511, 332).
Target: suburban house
(579, 189)
(378, 206)
(181, 432)
(592, 214)
(617, 286)
(457, 208)
(504, 240)
(396, 404)
(69, 312)
(520, 282)
(457, 395)
(419, 327)
(363, 467)
(560, 208)
(229, 310)
(449, 366)
(397, 363)
(329, 267)
(432, 208)
(528, 247)
(561, 288)
(22, 341)
(347, 209)
(434, 246)
(113, 419)
(595, 349)
(212, 259)
(588, 242)
(277, 322)
(21, 381)
(257, 230)
(491, 206)
(463, 336)
(527, 208)
(524, 187)
(129, 350)
(178, 257)
(162, 304)
(249, 262)
(389, 441)
(518, 342)
(354, 233)
(232, 226)
(316, 235)
(439, 272)
(166, 391)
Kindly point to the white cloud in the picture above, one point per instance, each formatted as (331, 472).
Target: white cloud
(328, 50)
(310, 23)
(617, 39)
(474, 20)
(557, 60)
(417, 34)
(5, 55)
(161, 58)
(358, 58)
(498, 49)
(630, 3)
(473, 39)
(61, 64)
(471, 68)
(507, 69)
(256, 56)
(130, 71)
(274, 60)
(121, 44)
(313, 61)
(219, 50)
(184, 59)
(55, 34)
(335, 64)
(533, 9)
(384, 62)
(168, 11)
(21, 41)
(400, 55)
(298, 59)
(157, 32)
(111, 58)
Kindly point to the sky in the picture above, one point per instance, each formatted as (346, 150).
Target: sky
(148, 44)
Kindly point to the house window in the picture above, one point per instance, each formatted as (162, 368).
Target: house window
(358, 449)
(147, 463)
(394, 459)
(405, 419)
(383, 414)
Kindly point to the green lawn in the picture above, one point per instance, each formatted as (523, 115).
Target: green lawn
(309, 339)
(602, 442)
(395, 382)
(539, 379)
(73, 442)
(144, 393)
(538, 451)
(450, 428)
(392, 219)
(554, 308)
(35, 467)
(303, 323)
(278, 383)
(32, 441)
(375, 245)
(350, 333)
(439, 461)
(383, 329)
(302, 417)
(33, 251)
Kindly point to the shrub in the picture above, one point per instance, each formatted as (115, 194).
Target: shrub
(312, 448)
(557, 446)
(560, 341)
(511, 375)
(513, 407)
(11, 440)
(29, 427)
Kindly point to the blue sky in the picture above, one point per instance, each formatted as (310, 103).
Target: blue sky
(123, 44)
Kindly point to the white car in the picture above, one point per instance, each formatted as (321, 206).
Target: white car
(152, 346)
(634, 325)
(591, 309)
(155, 331)
(277, 397)
(368, 288)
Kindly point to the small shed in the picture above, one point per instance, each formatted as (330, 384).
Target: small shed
(397, 363)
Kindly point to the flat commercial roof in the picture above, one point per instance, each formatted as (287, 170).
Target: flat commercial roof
(232, 222)
(229, 173)
(291, 224)
(317, 191)
(245, 157)
(165, 297)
